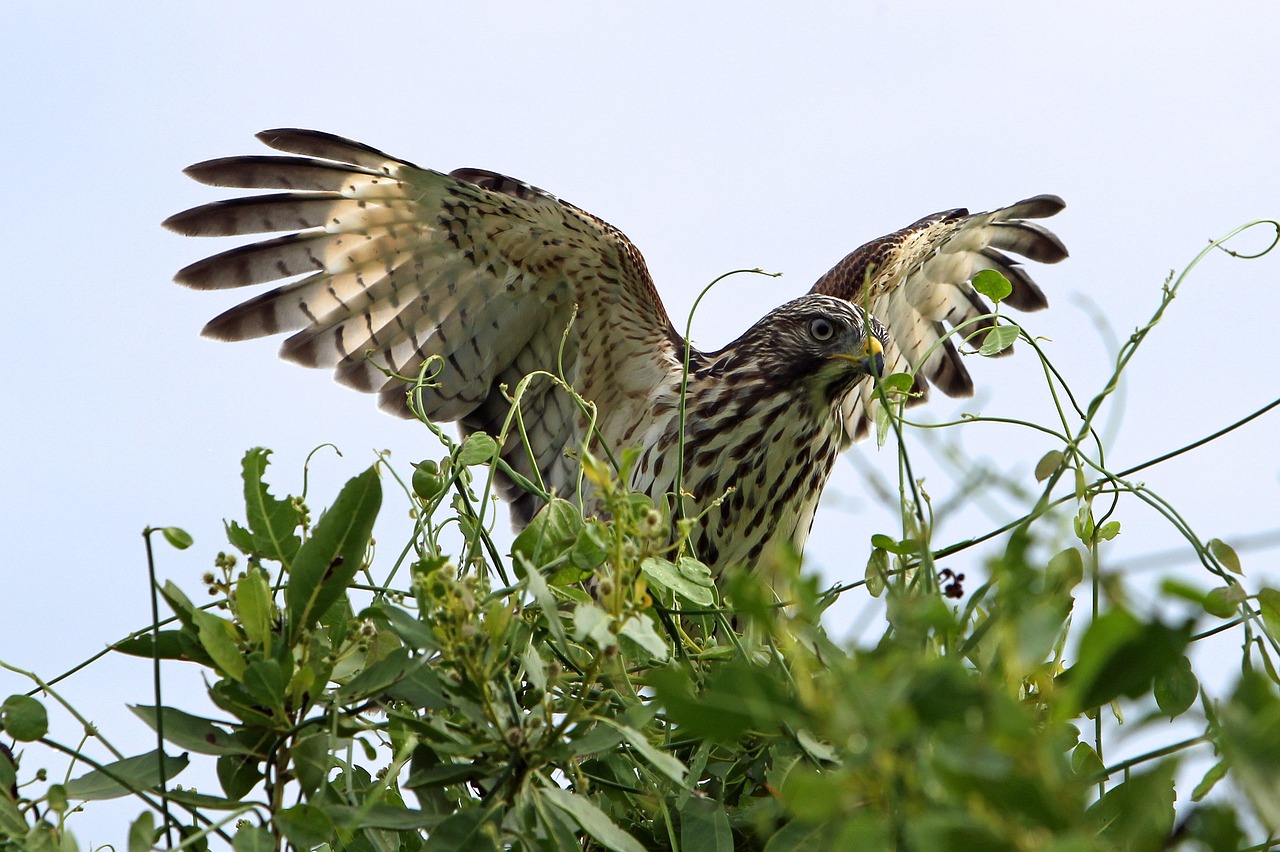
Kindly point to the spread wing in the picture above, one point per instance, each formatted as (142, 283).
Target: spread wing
(391, 263)
(917, 281)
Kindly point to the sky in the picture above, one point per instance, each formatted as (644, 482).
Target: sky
(717, 137)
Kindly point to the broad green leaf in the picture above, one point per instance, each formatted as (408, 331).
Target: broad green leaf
(1048, 463)
(877, 572)
(253, 838)
(1249, 738)
(461, 831)
(593, 820)
(1225, 555)
(407, 627)
(897, 382)
(812, 795)
(1176, 688)
(388, 817)
(1109, 530)
(381, 676)
(1120, 655)
(1211, 778)
(537, 586)
(176, 536)
(218, 637)
(23, 718)
(1224, 601)
(550, 533)
(326, 564)
(689, 579)
(142, 833)
(592, 622)
(167, 645)
(999, 339)
(663, 762)
(311, 761)
(993, 285)
(1138, 813)
(1085, 762)
(1269, 604)
(704, 826)
(305, 826)
(141, 772)
(478, 448)
(192, 733)
(272, 522)
(238, 775)
(254, 607)
(639, 629)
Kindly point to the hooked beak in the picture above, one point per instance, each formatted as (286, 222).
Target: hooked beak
(871, 359)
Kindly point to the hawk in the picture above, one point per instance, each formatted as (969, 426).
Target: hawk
(391, 263)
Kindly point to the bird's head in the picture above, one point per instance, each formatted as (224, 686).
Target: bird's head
(820, 344)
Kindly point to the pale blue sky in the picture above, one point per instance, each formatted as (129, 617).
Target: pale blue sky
(717, 137)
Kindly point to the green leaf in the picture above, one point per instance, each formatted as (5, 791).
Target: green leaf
(1048, 463)
(689, 579)
(142, 833)
(254, 607)
(238, 775)
(253, 838)
(329, 560)
(192, 733)
(877, 572)
(218, 637)
(593, 820)
(122, 778)
(663, 762)
(381, 676)
(537, 586)
(1215, 774)
(639, 629)
(408, 628)
(23, 718)
(993, 285)
(1109, 530)
(1176, 688)
(1225, 555)
(305, 826)
(1249, 738)
(1223, 601)
(478, 448)
(704, 826)
(999, 339)
(271, 521)
(1269, 604)
(462, 831)
(897, 383)
(1138, 814)
(176, 536)
(1085, 762)
(1120, 655)
(550, 533)
(592, 622)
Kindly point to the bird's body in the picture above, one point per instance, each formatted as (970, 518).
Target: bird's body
(400, 263)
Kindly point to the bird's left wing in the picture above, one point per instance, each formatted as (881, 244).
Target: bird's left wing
(918, 281)
(393, 263)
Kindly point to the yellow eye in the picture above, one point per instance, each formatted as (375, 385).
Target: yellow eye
(821, 329)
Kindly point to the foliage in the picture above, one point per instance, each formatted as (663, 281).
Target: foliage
(597, 689)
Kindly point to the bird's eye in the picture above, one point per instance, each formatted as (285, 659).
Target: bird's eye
(821, 329)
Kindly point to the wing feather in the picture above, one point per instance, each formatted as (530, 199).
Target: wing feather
(392, 264)
(918, 281)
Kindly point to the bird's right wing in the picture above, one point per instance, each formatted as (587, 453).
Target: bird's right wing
(918, 281)
(393, 264)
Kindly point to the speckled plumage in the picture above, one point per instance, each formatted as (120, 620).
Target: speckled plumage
(393, 263)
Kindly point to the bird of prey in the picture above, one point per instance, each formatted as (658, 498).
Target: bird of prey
(392, 264)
